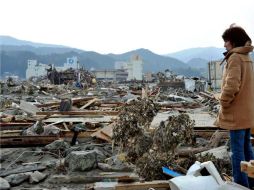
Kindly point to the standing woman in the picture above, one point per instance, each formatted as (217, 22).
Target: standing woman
(237, 99)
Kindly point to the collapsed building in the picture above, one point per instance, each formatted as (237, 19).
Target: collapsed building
(81, 77)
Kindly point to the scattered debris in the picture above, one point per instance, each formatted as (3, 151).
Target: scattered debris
(77, 130)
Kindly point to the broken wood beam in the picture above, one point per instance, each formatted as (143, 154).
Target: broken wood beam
(83, 134)
(63, 133)
(17, 141)
(109, 105)
(161, 184)
(206, 94)
(78, 112)
(10, 133)
(90, 102)
(180, 105)
(65, 179)
(117, 103)
(74, 101)
(14, 126)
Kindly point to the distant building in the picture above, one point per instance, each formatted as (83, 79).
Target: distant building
(113, 75)
(215, 74)
(176, 84)
(121, 75)
(38, 69)
(121, 70)
(105, 74)
(35, 69)
(135, 68)
(194, 85)
(71, 62)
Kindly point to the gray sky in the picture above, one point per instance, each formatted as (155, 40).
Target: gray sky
(118, 26)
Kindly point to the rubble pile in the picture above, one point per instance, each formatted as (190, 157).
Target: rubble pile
(152, 151)
(85, 133)
(177, 130)
(212, 104)
(130, 130)
(5, 103)
(180, 92)
(149, 165)
(84, 77)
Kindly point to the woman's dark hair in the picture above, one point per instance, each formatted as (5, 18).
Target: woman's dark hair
(236, 35)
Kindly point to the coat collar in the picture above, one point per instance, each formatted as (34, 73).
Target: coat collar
(240, 50)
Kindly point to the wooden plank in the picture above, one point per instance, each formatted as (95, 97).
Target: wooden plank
(10, 133)
(98, 134)
(76, 116)
(84, 134)
(104, 119)
(117, 103)
(15, 134)
(78, 112)
(108, 131)
(145, 185)
(15, 124)
(74, 101)
(9, 141)
(206, 94)
(108, 105)
(180, 105)
(89, 103)
(117, 176)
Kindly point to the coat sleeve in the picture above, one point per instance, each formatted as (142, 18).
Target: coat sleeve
(232, 81)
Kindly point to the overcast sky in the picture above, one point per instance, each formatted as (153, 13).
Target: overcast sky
(118, 26)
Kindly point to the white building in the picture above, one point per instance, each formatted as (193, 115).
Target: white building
(38, 69)
(35, 69)
(113, 75)
(71, 62)
(215, 74)
(135, 68)
(105, 74)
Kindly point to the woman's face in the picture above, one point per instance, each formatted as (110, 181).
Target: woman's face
(228, 45)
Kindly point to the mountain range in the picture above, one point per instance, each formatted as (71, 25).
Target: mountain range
(15, 53)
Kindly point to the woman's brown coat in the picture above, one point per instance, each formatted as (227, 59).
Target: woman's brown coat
(237, 91)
